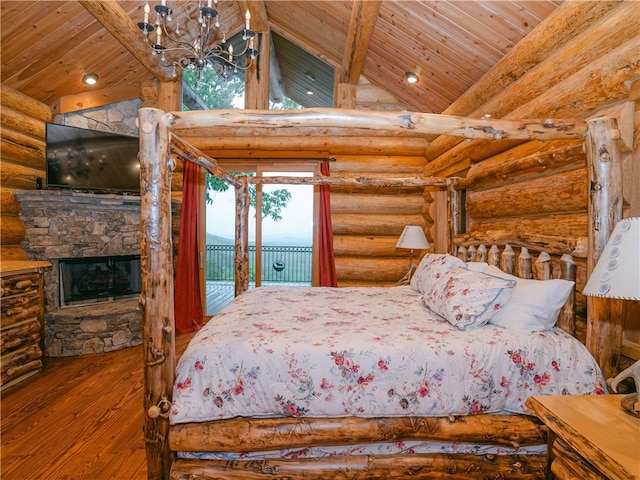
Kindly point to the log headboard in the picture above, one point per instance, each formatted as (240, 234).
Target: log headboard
(164, 138)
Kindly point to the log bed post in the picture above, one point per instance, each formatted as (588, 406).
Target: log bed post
(242, 236)
(455, 205)
(604, 315)
(567, 317)
(156, 297)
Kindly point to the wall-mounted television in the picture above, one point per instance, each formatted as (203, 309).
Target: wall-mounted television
(91, 160)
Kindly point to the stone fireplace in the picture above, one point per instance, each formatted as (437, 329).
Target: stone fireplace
(78, 232)
(91, 280)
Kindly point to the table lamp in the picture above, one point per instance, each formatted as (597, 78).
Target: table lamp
(412, 237)
(617, 275)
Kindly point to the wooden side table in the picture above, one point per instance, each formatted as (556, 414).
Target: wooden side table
(590, 437)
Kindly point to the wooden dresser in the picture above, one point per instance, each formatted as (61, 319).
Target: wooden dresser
(590, 437)
(21, 320)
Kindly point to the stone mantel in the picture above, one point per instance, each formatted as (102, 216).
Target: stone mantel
(69, 197)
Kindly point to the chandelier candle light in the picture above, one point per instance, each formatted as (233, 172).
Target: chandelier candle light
(201, 50)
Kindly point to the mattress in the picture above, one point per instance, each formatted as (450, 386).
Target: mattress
(370, 352)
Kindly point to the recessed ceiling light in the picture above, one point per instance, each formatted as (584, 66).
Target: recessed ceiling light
(411, 77)
(309, 91)
(90, 79)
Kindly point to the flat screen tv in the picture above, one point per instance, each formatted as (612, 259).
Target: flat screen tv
(90, 160)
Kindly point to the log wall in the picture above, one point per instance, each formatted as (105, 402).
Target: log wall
(542, 188)
(368, 221)
(22, 154)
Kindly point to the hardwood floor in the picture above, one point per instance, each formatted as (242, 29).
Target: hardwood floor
(80, 419)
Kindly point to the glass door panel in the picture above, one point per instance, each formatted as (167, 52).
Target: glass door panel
(287, 235)
(281, 238)
(219, 265)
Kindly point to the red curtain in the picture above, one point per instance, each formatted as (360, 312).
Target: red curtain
(187, 300)
(328, 277)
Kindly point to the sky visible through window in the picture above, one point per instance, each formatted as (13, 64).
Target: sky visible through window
(295, 228)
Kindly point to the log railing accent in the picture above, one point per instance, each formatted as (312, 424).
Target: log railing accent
(572, 245)
(521, 266)
(316, 119)
(568, 271)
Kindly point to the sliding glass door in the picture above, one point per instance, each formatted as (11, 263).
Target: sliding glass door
(281, 237)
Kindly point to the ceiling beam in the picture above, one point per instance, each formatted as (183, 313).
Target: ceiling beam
(191, 98)
(116, 21)
(260, 23)
(364, 15)
(277, 92)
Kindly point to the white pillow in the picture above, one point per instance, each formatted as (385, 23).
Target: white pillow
(467, 299)
(534, 305)
(479, 267)
(431, 268)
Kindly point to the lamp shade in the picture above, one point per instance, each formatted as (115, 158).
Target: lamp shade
(617, 273)
(413, 237)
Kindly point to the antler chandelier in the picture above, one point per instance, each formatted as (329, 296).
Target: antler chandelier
(200, 51)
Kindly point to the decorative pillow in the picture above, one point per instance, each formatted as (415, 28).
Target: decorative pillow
(534, 305)
(468, 299)
(431, 268)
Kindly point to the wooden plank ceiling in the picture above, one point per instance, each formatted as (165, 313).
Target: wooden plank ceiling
(47, 46)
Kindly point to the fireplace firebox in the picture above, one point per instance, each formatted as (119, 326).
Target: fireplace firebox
(90, 280)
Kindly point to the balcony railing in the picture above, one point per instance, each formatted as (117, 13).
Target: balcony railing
(280, 264)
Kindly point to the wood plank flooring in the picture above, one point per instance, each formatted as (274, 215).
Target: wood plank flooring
(80, 419)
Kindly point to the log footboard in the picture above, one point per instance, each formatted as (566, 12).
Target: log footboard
(387, 467)
(251, 435)
(260, 434)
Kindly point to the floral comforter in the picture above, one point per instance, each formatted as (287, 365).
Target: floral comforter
(332, 352)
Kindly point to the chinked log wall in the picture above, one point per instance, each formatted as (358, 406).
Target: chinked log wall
(22, 147)
(542, 188)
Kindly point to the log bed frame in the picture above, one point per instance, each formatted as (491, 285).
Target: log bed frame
(160, 146)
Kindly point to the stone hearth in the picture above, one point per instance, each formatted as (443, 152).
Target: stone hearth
(96, 328)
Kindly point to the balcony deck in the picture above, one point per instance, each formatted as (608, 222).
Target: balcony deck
(282, 265)
(218, 294)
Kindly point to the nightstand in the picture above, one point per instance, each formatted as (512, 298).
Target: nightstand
(590, 437)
